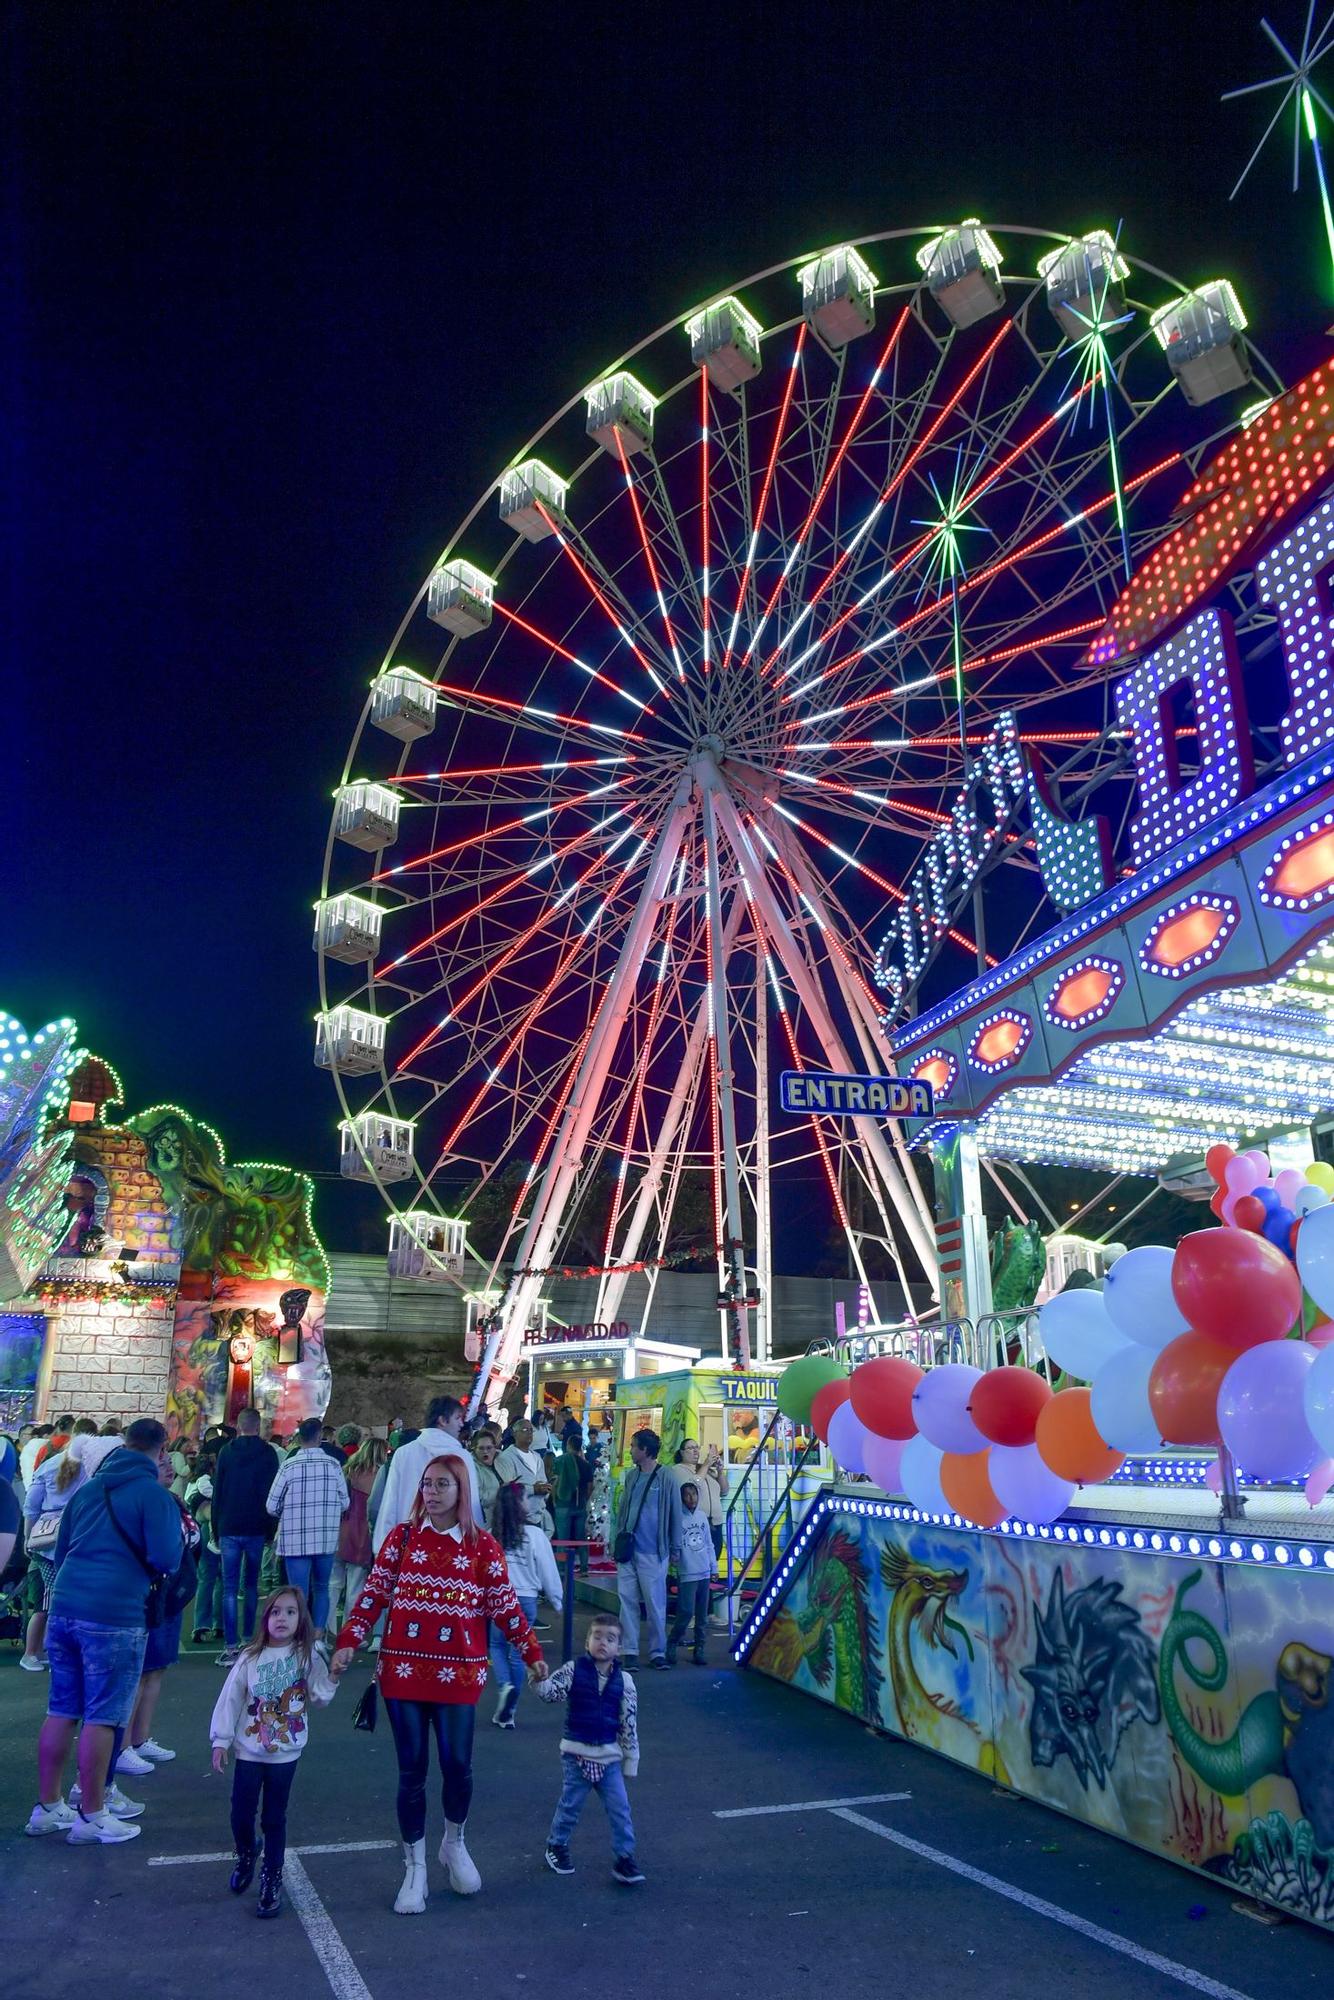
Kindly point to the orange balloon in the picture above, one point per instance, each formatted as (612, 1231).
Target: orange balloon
(1069, 1443)
(966, 1484)
(1184, 1385)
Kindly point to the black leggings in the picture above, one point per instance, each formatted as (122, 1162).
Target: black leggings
(273, 1782)
(412, 1723)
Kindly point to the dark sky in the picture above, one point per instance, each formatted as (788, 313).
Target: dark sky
(285, 285)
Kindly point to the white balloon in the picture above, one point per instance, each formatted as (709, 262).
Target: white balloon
(1137, 1293)
(1120, 1407)
(1315, 1256)
(919, 1476)
(1318, 1393)
(1308, 1200)
(1077, 1334)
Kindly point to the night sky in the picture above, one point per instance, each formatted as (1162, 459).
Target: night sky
(285, 286)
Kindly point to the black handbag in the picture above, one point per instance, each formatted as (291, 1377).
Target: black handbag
(367, 1708)
(623, 1548)
(167, 1595)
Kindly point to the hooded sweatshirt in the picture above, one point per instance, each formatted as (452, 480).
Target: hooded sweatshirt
(246, 1469)
(404, 1475)
(99, 1578)
(45, 1496)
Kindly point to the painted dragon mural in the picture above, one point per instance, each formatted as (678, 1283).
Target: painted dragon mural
(922, 1601)
(244, 1221)
(1092, 1678)
(832, 1635)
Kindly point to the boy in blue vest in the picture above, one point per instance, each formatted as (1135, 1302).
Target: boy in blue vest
(600, 1747)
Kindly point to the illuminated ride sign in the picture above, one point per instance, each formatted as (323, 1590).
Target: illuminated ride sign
(856, 1096)
(1191, 997)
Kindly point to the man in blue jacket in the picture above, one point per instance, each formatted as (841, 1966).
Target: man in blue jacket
(119, 1531)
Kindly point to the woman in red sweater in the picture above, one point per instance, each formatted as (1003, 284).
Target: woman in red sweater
(440, 1578)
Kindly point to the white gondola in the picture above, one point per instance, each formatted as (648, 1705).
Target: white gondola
(838, 295)
(428, 1247)
(403, 704)
(962, 271)
(366, 815)
(348, 928)
(349, 1040)
(375, 1147)
(460, 597)
(620, 405)
(1084, 282)
(1201, 335)
(532, 500)
(725, 340)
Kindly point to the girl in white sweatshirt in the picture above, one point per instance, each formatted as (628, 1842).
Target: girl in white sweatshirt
(261, 1715)
(533, 1573)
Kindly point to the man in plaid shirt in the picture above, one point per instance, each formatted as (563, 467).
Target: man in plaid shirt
(309, 1498)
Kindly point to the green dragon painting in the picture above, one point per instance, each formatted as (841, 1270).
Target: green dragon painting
(833, 1634)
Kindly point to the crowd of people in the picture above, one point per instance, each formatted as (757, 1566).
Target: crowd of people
(432, 1549)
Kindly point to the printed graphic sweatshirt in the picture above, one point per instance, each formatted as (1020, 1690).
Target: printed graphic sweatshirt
(261, 1712)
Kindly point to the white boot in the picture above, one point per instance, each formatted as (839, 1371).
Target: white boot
(463, 1877)
(411, 1898)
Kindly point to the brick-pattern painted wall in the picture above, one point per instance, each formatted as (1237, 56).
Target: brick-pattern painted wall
(137, 1213)
(110, 1359)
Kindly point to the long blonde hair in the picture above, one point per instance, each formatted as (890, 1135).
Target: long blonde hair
(70, 1467)
(369, 1456)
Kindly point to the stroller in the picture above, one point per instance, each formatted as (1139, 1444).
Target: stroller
(13, 1596)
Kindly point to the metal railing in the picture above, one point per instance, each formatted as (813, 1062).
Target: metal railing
(992, 1341)
(779, 1524)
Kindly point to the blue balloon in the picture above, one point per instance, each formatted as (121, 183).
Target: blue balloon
(1278, 1230)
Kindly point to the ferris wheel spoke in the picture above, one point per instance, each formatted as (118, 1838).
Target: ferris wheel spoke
(542, 721)
(625, 622)
(641, 706)
(757, 524)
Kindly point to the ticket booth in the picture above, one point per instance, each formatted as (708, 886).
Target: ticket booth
(575, 1371)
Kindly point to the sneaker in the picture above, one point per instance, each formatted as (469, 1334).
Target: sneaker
(101, 1829)
(626, 1869)
(32, 1665)
(557, 1859)
(154, 1752)
(114, 1801)
(661, 1662)
(540, 1625)
(699, 1659)
(228, 1656)
(58, 1818)
(132, 1763)
(631, 1660)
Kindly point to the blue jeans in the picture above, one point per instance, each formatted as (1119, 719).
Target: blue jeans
(311, 1574)
(572, 1526)
(208, 1592)
(240, 1551)
(692, 1598)
(507, 1662)
(94, 1669)
(574, 1793)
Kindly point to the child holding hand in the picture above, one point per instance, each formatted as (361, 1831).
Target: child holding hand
(599, 1747)
(261, 1715)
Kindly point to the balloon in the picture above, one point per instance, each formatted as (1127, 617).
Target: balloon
(1259, 1163)
(1318, 1399)
(1248, 1212)
(1321, 1175)
(1261, 1415)
(1315, 1257)
(1216, 1161)
(1236, 1288)
(965, 1484)
(881, 1462)
(1077, 1335)
(1288, 1185)
(799, 1381)
(1006, 1403)
(824, 1402)
(1068, 1440)
(1308, 1198)
(940, 1405)
(1121, 1409)
(1137, 1293)
(1320, 1481)
(882, 1392)
(1183, 1388)
(1321, 1334)
(1025, 1486)
(919, 1476)
(847, 1438)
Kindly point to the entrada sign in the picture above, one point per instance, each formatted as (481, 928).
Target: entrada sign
(1256, 481)
(856, 1096)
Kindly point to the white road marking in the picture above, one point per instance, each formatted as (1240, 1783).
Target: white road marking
(335, 1958)
(812, 1805)
(332, 1847)
(1199, 1982)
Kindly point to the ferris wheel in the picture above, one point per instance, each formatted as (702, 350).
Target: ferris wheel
(633, 800)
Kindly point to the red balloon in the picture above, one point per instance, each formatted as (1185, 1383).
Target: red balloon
(1217, 1203)
(1234, 1287)
(882, 1395)
(966, 1484)
(823, 1404)
(1217, 1160)
(1006, 1404)
(1184, 1385)
(1248, 1212)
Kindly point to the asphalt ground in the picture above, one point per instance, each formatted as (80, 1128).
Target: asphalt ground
(955, 1890)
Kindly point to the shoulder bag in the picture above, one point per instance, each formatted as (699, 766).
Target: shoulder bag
(167, 1594)
(623, 1548)
(42, 1536)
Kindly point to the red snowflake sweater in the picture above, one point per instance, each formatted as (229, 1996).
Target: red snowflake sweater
(439, 1595)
